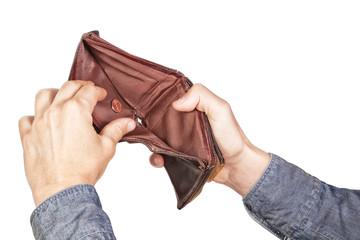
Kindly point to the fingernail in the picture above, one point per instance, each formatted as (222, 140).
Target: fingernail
(180, 100)
(157, 161)
(131, 126)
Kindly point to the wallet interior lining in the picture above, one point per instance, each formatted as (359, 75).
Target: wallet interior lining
(146, 90)
(122, 73)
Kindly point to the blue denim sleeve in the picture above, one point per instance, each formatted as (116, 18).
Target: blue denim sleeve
(73, 213)
(295, 205)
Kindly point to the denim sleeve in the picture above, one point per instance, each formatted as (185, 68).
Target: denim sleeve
(295, 205)
(73, 213)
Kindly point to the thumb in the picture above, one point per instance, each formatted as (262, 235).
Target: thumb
(116, 129)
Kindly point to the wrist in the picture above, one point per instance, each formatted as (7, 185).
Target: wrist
(41, 193)
(246, 168)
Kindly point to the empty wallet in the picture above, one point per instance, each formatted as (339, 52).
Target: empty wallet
(144, 91)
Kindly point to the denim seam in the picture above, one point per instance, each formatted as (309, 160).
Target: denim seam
(262, 222)
(63, 193)
(295, 227)
(248, 197)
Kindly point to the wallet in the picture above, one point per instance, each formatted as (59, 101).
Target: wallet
(144, 91)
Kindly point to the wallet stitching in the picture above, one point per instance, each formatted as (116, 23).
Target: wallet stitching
(199, 183)
(215, 149)
(150, 91)
(135, 58)
(159, 114)
(175, 154)
(207, 135)
(158, 117)
(130, 67)
(75, 63)
(206, 126)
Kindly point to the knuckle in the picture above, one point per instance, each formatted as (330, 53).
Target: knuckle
(42, 93)
(21, 121)
(224, 103)
(86, 95)
(85, 92)
(68, 83)
(225, 106)
(71, 84)
(110, 150)
(108, 143)
(77, 83)
(81, 102)
(74, 105)
(88, 89)
(24, 121)
(52, 112)
(198, 87)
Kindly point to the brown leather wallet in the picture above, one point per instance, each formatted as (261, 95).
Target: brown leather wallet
(143, 90)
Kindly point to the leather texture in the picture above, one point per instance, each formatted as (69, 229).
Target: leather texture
(143, 90)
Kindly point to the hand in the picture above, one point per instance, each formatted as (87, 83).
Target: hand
(244, 163)
(61, 147)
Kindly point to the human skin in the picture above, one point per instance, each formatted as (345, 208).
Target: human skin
(61, 146)
(244, 163)
(62, 149)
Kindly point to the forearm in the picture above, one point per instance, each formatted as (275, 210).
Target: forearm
(291, 203)
(73, 213)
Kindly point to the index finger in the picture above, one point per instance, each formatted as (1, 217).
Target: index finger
(89, 95)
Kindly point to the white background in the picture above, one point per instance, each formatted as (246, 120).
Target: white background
(290, 70)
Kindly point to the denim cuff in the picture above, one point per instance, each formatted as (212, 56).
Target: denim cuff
(283, 198)
(73, 213)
